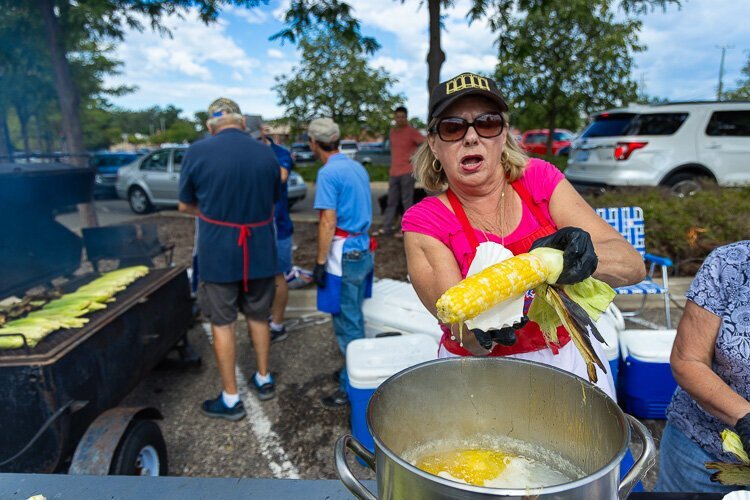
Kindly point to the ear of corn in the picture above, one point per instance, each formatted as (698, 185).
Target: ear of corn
(502, 281)
(67, 311)
(731, 474)
(538, 270)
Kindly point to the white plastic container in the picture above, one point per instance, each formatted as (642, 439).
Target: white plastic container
(395, 307)
(607, 326)
(369, 362)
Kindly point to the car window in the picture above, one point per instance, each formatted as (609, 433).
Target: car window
(562, 136)
(655, 124)
(608, 125)
(729, 123)
(179, 154)
(157, 162)
(536, 138)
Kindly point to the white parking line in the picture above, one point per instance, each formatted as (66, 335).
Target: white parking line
(269, 441)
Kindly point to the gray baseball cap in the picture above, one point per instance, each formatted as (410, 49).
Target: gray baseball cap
(323, 130)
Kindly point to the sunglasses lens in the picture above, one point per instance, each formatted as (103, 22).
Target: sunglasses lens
(489, 125)
(452, 129)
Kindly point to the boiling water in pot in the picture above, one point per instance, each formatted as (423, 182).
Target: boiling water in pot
(494, 462)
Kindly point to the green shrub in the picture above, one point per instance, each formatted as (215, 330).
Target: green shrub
(309, 171)
(686, 229)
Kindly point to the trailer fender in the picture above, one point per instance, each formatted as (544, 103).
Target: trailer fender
(95, 450)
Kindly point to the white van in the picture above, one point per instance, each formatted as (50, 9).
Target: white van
(676, 145)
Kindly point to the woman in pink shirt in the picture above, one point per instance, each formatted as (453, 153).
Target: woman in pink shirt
(491, 192)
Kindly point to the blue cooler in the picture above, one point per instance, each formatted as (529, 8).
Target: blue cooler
(646, 381)
(369, 362)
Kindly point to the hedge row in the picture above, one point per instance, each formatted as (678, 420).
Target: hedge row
(309, 171)
(686, 229)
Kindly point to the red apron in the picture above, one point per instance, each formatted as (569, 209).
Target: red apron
(529, 338)
(242, 240)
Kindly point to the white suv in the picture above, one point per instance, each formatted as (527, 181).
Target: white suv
(674, 145)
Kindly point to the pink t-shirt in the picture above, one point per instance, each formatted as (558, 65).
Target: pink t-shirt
(431, 217)
(404, 142)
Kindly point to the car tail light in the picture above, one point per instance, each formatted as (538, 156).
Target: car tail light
(623, 150)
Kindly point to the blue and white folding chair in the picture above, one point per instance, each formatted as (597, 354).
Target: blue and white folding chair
(628, 221)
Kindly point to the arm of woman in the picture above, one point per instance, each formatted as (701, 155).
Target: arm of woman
(433, 269)
(691, 358)
(619, 263)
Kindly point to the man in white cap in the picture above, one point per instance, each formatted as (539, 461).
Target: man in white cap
(344, 266)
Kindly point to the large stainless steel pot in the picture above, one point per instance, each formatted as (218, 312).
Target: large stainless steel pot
(464, 397)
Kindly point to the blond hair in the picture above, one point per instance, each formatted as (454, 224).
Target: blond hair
(513, 162)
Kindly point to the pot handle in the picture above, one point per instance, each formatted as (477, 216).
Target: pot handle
(644, 462)
(342, 468)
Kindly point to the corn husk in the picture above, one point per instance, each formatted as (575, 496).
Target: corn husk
(730, 474)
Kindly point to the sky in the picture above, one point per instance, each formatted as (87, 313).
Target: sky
(234, 57)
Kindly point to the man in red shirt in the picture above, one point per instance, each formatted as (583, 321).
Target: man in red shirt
(404, 141)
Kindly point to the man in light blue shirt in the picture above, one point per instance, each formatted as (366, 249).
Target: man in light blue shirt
(344, 265)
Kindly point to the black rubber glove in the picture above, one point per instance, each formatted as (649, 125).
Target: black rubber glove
(743, 431)
(579, 258)
(503, 336)
(319, 275)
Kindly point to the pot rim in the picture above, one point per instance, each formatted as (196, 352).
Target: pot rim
(603, 471)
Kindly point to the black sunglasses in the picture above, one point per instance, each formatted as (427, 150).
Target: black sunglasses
(454, 128)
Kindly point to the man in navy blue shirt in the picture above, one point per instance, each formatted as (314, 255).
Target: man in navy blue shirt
(230, 181)
(284, 229)
(344, 265)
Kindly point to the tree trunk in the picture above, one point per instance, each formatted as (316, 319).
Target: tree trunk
(23, 120)
(435, 56)
(68, 98)
(6, 147)
(38, 133)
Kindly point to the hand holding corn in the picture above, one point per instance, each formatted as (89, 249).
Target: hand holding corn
(573, 306)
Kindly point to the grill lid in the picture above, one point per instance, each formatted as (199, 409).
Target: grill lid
(36, 248)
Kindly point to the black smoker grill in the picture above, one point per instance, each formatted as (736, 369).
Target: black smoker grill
(58, 400)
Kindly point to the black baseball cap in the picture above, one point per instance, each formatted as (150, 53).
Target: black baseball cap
(446, 93)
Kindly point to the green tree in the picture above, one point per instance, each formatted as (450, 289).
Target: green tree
(301, 16)
(742, 92)
(565, 58)
(334, 80)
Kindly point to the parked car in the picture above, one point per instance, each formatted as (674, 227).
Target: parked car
(535, 141)
(349, 148)
(153, 181)
(678, 145)
(301, 153)
(296, 188)
(378, 153)
(106, 166)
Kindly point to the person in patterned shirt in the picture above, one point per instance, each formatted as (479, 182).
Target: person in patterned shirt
(711, 363)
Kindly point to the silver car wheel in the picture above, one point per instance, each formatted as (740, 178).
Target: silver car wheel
(687, 187)
(139, 201)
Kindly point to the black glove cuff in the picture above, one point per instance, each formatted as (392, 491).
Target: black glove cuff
(743, 428)
(484, 338)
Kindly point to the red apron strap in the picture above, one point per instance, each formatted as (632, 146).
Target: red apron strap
(242, 240)
(458, 209)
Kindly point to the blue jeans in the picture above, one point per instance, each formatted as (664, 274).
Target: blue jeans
(681, 465)
(349, 324)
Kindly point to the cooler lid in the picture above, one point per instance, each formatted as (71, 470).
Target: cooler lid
(369, 362)
(651, 346)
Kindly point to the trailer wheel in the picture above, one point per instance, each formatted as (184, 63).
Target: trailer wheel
(141, 451)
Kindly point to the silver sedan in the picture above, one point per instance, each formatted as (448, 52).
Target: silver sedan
(154, 179)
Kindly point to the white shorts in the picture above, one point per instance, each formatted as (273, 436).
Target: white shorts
(568, 358)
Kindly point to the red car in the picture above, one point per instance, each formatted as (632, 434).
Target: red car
(535, 141)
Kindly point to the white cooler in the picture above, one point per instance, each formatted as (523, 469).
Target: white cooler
(395, 307)
(369, 362)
